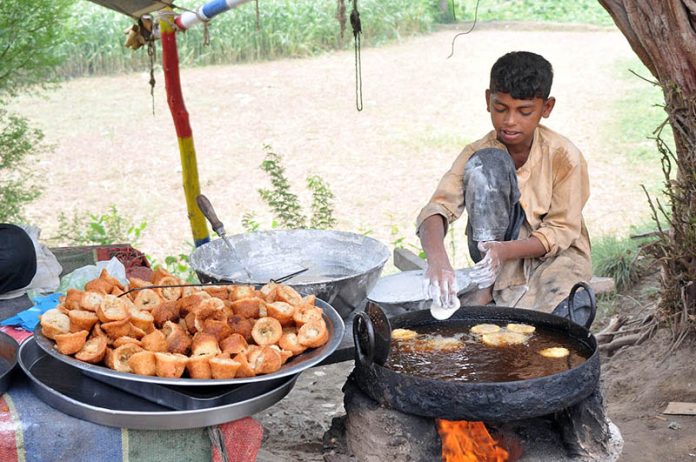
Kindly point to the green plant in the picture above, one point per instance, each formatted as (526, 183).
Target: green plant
(617, 258)
(322, 205)
(100, 229)
(18, 143)
(178, 265)
(285, 205)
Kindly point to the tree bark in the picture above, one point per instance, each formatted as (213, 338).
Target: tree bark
(662, 33)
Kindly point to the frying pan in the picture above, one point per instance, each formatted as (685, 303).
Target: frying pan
(480, 401)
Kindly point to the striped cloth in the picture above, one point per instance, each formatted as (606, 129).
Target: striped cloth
(32, 431)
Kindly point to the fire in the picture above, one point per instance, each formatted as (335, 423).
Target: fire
(464, 441)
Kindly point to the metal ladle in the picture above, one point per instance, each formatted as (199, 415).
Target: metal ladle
(209, 212)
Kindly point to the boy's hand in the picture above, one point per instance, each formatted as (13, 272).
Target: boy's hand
(487, 270)
(440, 284)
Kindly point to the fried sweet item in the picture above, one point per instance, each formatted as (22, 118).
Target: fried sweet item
(289, 342)
(313, 334)
(503, 339)
(268, 291)
(170, 365)
(438, 343)
(154, 341)
(91, 301)
(116, 329)
(266, 331)
(198, 366)
(82, 320)
(117, 359)
(288, 295)
(307, 313)
(213, 308)
(126, 339)
(521, 328)
(244, 369)
(164, 312)
(112, 308)
(219, 328)
(93, 350)
(53, 322)
(147, 299)
(284, 354)
(403, 334)
(73, 299)
(204, 344)
(282, 311)
(480, 329)
(234, 344)
(554, 352)
(220, 292)
(143, 363)
(159, 274)
(241, 326)
(248, 307)
(178, 340)
(169, 293)
(223, 368)
(98, 285)
(265, 360)
(71, 343)
(141, 319)
(187, 304)
(239, 292)
(109, 279)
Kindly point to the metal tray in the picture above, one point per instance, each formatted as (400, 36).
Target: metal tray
(294, 366)
(68, 390)
(183, 398)
(8, 360)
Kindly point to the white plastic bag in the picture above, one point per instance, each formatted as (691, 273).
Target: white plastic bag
(81, 276)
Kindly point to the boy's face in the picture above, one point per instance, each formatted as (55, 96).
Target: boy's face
(515, 120)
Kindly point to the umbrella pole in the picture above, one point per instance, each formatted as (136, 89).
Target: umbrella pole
(187, 151)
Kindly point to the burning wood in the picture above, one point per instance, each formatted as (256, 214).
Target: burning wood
(464, 441)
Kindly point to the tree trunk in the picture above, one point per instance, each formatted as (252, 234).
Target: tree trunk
(662, 34)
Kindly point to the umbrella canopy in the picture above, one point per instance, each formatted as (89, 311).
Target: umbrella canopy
(134, 8)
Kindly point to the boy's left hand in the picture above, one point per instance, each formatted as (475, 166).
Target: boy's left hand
(487, 270)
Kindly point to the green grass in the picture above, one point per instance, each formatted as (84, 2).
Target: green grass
(578, 11)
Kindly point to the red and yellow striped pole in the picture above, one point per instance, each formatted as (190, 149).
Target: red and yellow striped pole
(187, 151)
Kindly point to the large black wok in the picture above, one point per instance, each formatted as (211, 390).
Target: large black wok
(490, 402)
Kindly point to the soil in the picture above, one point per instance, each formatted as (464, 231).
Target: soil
(382, 163)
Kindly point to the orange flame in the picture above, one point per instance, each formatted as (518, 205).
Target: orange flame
(464, 441)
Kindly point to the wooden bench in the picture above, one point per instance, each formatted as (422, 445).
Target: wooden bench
(405, 260)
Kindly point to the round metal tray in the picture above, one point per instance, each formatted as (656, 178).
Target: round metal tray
(294, 366)
(68, 390)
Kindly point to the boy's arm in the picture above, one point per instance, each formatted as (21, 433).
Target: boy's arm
(432, 237)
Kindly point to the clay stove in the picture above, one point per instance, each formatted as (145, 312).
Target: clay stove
(371, 432)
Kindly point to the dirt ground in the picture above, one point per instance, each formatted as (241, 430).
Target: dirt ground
(381, 163)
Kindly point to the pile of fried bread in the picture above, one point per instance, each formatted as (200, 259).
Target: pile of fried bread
(205, 332)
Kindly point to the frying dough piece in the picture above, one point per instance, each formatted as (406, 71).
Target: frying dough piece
(554, 352)
(502, 339)
(480, 329)
(403, 334)
(521, 328)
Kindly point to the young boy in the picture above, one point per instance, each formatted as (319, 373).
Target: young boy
(523, 187)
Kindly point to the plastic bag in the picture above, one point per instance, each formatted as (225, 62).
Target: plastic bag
(81, 276)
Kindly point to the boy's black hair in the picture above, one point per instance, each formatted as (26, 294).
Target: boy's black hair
(523, 75)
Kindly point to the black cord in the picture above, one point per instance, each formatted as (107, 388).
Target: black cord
(357, 31)
(470, 29)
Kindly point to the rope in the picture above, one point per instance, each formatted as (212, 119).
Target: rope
(151, 55)
(470, 29)
(357, 31)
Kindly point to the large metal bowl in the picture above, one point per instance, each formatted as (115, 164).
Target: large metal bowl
(342, 267)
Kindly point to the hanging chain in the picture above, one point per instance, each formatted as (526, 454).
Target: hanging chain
(357, 31)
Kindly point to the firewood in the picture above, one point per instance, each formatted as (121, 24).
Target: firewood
(607, 334)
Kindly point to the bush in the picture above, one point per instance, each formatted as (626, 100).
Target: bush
(98, 229)
(18, 143)
(619, 259)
